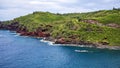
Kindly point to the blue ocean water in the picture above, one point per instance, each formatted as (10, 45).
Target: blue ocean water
(28, 52)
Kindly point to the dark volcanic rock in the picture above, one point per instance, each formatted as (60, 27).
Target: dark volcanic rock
(43, 34)
(60, 41)
(104, 43)
(13, 26)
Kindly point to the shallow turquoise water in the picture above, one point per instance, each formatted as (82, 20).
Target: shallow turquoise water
(27, 52)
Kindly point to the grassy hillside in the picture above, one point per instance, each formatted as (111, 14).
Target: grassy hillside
(102, 16)
(89, 27)
(34, 20)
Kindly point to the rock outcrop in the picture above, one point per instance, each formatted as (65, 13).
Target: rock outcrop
(23, 30)
(113, 25)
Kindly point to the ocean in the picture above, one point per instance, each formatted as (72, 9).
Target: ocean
(29, 52)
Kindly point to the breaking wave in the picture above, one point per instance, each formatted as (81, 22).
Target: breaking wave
(48, 42)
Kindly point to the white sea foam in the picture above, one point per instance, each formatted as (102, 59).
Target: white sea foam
(81, 51)
(85, 46)
(17, 34)
(43, 40)
(48, 42)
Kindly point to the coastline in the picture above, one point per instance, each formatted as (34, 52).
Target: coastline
(52, 42)
(90, 45)
(94, 29)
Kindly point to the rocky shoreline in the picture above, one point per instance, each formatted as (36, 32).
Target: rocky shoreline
(95, 45)
(42, 33)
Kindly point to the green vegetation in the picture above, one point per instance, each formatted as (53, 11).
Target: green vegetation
(73, 25)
